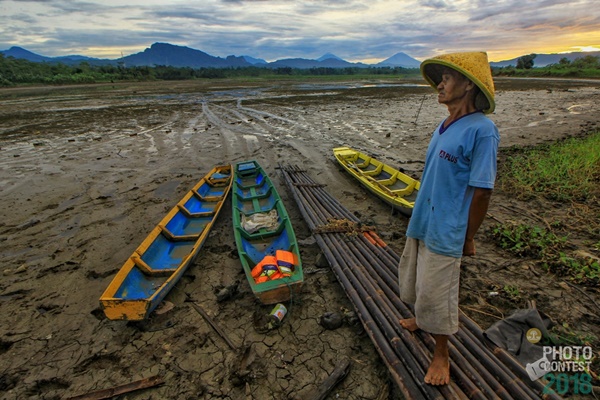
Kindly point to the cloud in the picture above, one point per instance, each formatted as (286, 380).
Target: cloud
(272, 29)
(439, 4)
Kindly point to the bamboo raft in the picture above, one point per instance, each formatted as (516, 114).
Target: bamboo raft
(367, 269)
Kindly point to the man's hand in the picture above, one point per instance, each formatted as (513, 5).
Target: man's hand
(469, 248)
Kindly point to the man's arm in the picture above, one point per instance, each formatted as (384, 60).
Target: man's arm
(477, 211)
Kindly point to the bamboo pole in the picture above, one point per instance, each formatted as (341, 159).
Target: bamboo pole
(399, 373)
(469, 376)
(368, 273)
(349, 282)
(510, 364)
(472, 345)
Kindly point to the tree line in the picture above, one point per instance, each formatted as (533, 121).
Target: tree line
(19, 71)
(15, 71)
(584, 67)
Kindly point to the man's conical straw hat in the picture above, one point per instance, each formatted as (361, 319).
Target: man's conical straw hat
(473, 65)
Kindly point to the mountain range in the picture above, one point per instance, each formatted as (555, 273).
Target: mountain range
(181, 56)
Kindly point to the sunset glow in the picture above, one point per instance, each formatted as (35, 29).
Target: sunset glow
(355, 30)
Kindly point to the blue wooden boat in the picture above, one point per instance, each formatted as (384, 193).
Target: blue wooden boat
(162, 258)
(264, 236)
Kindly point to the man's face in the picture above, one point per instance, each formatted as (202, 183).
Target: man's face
(453, 87)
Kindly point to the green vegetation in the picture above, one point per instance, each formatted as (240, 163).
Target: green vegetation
(18, 72)
(567, 171)
(566, 335)
(585, 67)
(564, 171)
(527, 241)
(526, 62)
(512, 292)
(549, 249)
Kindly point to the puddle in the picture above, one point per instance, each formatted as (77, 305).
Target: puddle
(166, 190)
(357, 85)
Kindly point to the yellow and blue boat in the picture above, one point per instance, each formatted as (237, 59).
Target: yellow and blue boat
(162, 258)
(390, 185)
(264, 236)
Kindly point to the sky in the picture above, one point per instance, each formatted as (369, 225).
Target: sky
(356, 30)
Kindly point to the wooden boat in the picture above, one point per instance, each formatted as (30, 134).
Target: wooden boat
(162, 258)
(392, 186)
(264, 236)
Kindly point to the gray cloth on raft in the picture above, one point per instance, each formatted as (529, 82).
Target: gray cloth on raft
(510, 334)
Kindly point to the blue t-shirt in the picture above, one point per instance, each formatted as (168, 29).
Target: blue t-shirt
(460, 158)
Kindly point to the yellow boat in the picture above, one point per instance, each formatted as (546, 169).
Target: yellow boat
(392, 186)
(162, 258)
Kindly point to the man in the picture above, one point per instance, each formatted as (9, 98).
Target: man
(457, 182)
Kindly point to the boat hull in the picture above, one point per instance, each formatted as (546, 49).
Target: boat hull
(161, 260)
(389, 184)
(253, 195)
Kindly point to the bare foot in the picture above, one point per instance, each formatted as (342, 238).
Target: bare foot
(438, 372)
(410, 324)
(439, 369)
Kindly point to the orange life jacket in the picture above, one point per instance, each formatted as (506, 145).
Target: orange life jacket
(275, 267)
(286, 261)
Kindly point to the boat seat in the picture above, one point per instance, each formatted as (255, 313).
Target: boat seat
(205, 198)
(219, 179)
(148, 270)
(177, 238)
(190, 214)
(361, 172)
(407, 190)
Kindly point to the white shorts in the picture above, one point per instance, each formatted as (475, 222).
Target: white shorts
(430, 281)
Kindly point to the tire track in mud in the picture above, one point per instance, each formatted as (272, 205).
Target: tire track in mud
(235, 147)
(291, 134)
(261, 134)
(246, 123)
(288, 130)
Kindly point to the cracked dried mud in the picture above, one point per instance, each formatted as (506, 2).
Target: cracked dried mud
(87, 171)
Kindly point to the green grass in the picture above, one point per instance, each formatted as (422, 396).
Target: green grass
(563, 334)
(564, 171)
(526, 241)
(512, 292)
(550, 251)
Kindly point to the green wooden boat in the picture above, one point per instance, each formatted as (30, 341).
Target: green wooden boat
(264, 236)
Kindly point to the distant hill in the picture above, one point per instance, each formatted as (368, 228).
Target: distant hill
(303, 63)
(541, 60)
(400, 60)
(19, 52)
(180, 56)
(254, 61)
(328, 56)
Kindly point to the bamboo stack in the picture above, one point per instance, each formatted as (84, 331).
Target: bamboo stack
(367, 269)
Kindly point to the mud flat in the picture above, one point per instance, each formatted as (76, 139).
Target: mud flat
(87, 171)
